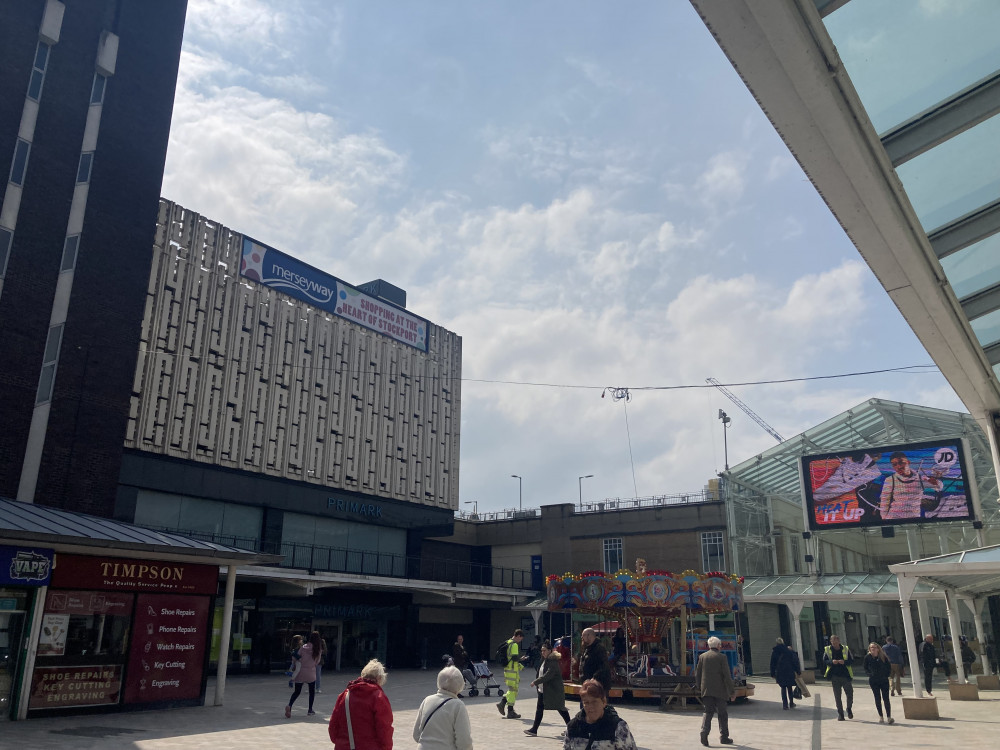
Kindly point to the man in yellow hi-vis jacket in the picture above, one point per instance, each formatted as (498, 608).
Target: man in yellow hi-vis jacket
(512, 675)
(838, 668)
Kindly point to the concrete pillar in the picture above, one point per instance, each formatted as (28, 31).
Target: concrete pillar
(795, 608)
(906, 587)
(951, 604)
(922, 616)
(976, 605)
(224, 634)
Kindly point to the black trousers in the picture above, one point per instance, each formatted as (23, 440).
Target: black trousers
(298, 690)
(928, 677)
(786, 695)
(881, 692)
(540, 709)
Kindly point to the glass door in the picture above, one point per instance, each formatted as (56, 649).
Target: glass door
(332, 632)
(11, 635)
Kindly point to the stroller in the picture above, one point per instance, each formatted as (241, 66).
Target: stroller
(481, 671)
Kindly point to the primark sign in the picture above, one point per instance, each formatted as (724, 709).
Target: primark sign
(282, 272)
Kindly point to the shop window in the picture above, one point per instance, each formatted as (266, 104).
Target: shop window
(85, 624)
(614, 556)
(713, 553)
(162, 511)
(796, 554)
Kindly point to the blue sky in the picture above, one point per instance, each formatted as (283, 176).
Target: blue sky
(585, 192)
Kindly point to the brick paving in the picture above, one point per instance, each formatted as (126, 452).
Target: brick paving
(253, 719)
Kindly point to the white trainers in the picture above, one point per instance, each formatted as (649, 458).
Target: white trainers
(892, 720)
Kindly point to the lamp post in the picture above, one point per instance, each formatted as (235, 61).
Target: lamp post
(520, 503)
(580, 484)
(725, 427)
(475, 508)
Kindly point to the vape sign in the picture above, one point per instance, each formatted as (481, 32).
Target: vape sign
(25, 567)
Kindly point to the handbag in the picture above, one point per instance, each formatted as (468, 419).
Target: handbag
(797, 693)
(801, 688)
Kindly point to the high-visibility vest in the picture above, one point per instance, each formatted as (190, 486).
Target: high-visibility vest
(847, 660)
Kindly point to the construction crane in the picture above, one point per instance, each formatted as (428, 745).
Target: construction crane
(746, 409)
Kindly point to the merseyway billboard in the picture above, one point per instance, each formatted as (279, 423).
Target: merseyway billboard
(889, 485)
(275, 269)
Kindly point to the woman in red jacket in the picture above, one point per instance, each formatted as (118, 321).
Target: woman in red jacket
(370, 717)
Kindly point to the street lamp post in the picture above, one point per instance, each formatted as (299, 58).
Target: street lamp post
(475, 508)
(520, 503)
(725, 428)
(580, 484)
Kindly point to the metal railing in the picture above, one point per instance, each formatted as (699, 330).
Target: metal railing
(314, 557)
(598, 506)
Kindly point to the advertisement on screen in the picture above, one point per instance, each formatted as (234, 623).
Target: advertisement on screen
(894, 484)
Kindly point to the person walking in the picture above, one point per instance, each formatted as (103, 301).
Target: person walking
(785, 667)
(362, 716)
(309, 655)
(968, 657)
(549, 683)
(594, 664)
(879, 669)
(295, 665)
(442, 722)
(460, 657)
(714, 679)
(512, 675)
(838, 658)
(928, 660)
(319, 663)
(598, 726)
(895, 657)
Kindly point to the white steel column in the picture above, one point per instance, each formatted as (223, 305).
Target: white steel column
(951, 604)
(906, 587)
(925, 620)
(224, 634)
(795, 607)
(34, 629)
(975, 604)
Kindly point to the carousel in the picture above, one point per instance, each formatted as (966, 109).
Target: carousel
(665, 620)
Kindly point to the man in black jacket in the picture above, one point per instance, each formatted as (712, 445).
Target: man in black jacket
(928, 660)
(594, 665)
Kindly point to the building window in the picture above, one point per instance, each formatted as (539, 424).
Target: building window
(614, 557)
(20, 163)
(6, 239)
(69, 252)
(97, 92)
(38, 71)
(795, 553)
(48, 377)
(86, 162)
(713, 553)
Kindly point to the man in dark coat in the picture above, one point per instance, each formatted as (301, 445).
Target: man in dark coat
(785, 668)
(594, 665)
(461, 659)
(714, 679)
(928, 660)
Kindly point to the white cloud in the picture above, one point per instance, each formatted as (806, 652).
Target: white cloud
(724, 177)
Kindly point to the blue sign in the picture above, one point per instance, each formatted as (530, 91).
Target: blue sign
(275, 269)
(25, 566)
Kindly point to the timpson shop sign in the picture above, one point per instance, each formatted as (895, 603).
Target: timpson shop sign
(118, 574)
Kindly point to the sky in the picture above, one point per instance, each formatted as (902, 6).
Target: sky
(584, 191)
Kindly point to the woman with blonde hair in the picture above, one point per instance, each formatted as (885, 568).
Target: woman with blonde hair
(362, 718)
(878, 669)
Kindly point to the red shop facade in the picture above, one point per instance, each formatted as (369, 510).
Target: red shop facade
(122, 634)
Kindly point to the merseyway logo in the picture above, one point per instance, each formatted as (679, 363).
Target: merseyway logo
(29, 566)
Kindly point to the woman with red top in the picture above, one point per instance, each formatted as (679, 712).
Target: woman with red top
(308, 657)
(364, 711)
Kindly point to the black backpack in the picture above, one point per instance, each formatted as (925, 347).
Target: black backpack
(503, 653)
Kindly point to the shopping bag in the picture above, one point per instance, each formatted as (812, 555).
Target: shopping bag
(801, 687)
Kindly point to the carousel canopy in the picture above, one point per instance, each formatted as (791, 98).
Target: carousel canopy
(654, 593)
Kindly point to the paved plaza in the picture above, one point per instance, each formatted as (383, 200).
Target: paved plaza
(253, 718)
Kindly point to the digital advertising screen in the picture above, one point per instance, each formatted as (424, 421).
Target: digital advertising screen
(893, 484)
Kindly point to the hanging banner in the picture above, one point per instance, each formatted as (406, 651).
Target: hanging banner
(275, 269)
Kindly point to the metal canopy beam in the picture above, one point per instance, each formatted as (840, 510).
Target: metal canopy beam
(826, 7)
(944, 120)
(967, 230)
(981, 303)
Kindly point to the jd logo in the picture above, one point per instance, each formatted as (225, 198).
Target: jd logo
(29, 566)
(945, 457)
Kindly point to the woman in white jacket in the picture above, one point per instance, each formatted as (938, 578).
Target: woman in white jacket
(443, 721)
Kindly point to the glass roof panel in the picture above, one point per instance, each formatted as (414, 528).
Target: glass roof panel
(956, 177)
(987, 328)
(974, 268)
(885, 46)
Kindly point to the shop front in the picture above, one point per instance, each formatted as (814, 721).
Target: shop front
(24, 572)
(120, 634)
